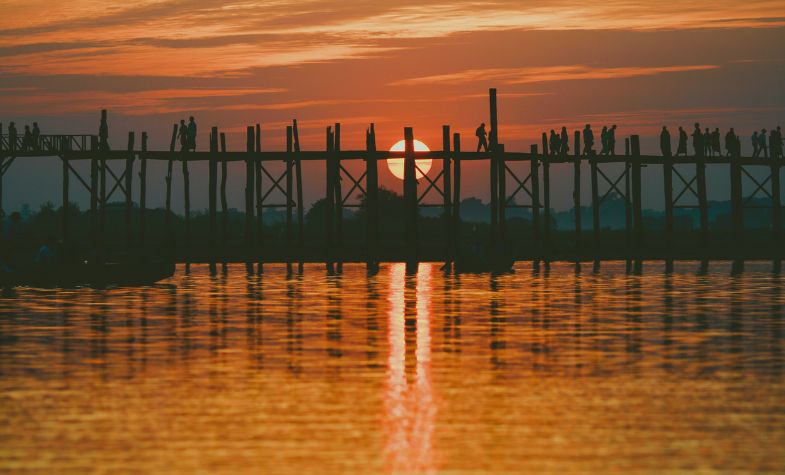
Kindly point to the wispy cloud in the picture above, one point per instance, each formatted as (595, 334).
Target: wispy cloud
(528, 75)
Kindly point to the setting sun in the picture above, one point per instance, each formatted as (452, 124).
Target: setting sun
(396, 164)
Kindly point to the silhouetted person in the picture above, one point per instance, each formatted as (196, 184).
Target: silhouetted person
(192, 133)
(697, 140)
(565, 141)
(588, 141)
(730, 142)
(755, 144)
(555, 143)
(604, 140)
(715, 142)
(12, 134)
(763, 146)
(681, 150)
(665, 142)
(27, 139)
(775, 140)
(482, 137)
(103, 133)
(707, 143)
(612, 140)
(36, 137)
(183, 135)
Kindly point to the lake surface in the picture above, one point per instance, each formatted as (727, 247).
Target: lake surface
(557, 372)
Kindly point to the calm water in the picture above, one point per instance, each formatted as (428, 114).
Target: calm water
(533, 372)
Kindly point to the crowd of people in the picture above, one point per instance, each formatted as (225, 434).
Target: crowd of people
(31, 137)
(705, 142)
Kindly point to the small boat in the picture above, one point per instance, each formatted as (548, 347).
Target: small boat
(88, 274)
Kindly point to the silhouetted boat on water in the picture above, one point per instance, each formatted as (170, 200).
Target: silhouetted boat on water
(128, 273)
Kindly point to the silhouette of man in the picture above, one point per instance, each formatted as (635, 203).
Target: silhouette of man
(27, 139)
(103, 133)
(763, 144)
(36, 136)
(183, 135)
(565, 141)
(482, 137)
(612, 140)
(555, 145)
(755, 145)
(682, 148)
(588, 141)
(730, 142)
(775, 139)
(12, 135)
(192, 133)
(604, 140)
(665, 142)
(707, 143)
(715, 142)
(697, 140)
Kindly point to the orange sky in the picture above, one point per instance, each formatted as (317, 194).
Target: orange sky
(422, 64)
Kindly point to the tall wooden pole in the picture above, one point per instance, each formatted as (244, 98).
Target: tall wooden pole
(212, 204)
(289, 193)
(329, 201)
(249, 196)
(628, 225)
(143, 191)
(372, 198)
(736, 200)
(501, 175)
(129, 174)
(94, 192)
(535, 180)
(258, 165)
(637, 195)
(493, 141)
(595, 202)
(456, 215)
(224, 201)
(338, 195)
(447, 195)
(410, 201)
(300, 204)
(667, 175)
(187, 208)
(776, 206)
(576, 190)
(169, 170)
(546, 190)
(703, 201)
(64, 208)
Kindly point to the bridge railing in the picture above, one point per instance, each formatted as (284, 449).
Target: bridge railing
(47, 143)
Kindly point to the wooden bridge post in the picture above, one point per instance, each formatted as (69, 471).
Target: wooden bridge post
(535, 178)
(212, 204)
(143, 191)
(494, 188)
(289, 193)
(703, 201)
(546, 184)
(338, 196)
(102, 199)
(595, 203)
(667, 178)
(300, 204)
(456, 215)
(637, 195)
(168, 179)
(737, 212)
(576, 190)
(94, 192)
(627, 191)
(224, 202)
(447, 195)
(776, 205)
(129, 174)
(501, 165)
(372, 198)
(329, 214)
(258, 239)
(410, 201)
(187, 208)
(64, 208)
(250, 163)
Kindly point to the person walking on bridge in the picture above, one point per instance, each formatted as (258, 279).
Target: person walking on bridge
(482, 137)
(554, 143)
(192, 134)
(681, 149)
(697, 140)
(755, 144)
(665, 142)
(730, 142)
(36, 137)
(12, 134)
(565, 142)
(588, 141)
(27, 139)
(183, 135)
(612, 140)
(763, 146)
(103, 133)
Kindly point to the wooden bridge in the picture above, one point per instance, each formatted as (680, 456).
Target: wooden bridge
(527, 172)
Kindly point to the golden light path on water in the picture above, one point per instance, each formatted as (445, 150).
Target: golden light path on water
(561, 370)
